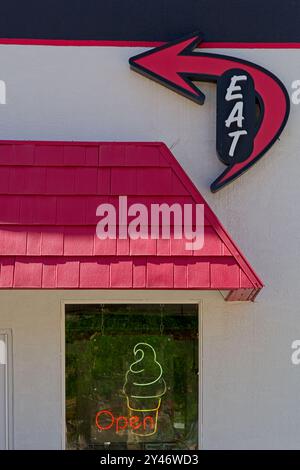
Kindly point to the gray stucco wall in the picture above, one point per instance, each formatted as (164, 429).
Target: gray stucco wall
(250, 387)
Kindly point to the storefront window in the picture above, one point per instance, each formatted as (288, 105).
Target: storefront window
(132, 376)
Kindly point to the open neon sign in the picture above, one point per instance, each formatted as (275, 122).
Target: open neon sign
(106, 420)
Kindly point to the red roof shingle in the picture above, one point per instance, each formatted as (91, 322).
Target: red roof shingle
(49, 192)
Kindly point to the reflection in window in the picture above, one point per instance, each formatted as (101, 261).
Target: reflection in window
(132, 376)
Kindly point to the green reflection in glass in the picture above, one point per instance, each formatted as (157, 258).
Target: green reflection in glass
(100, 346)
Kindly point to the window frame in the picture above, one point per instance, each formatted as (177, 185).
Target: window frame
(9, 424)
(158, 298)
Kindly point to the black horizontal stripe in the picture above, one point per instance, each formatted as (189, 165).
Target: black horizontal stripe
(151, 20)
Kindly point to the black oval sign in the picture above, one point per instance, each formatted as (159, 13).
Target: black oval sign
(236, 116)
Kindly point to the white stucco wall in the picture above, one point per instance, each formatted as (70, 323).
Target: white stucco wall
(250, 387)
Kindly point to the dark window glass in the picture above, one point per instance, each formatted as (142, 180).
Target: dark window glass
(132, 376)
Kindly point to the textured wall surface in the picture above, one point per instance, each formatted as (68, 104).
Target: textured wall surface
(250, 388)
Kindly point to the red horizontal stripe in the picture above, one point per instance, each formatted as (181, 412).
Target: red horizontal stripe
(110, 43)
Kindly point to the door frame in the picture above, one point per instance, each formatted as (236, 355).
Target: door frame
(160, 297)
(9, 424)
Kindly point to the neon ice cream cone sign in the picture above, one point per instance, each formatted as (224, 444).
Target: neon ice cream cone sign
(144, 387)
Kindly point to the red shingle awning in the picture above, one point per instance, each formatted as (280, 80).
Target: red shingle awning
(49, 192)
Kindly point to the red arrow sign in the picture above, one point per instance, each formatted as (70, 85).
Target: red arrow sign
(175, 65)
